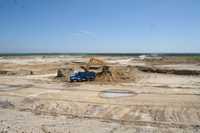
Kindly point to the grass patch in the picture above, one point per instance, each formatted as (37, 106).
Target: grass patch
(193, 58)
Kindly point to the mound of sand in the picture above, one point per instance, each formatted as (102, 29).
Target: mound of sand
(95, 61)
(116, 74)
(104, 71)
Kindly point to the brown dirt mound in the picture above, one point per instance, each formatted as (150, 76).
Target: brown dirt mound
(168, 71)
(104, 72)
(95, 61)
(67, 69)
(116, 73)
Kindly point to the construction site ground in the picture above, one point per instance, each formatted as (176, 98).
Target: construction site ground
(38, 102)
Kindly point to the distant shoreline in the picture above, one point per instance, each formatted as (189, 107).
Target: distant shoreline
(98, 54)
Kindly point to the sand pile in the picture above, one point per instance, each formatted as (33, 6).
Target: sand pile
(104, 71)
(95, 61)
(65, 71)
(168, 70)
(110, 73)
(116, 73)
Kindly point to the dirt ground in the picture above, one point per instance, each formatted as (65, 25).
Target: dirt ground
(33, 100)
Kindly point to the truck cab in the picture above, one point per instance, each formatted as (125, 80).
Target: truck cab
(82, 76)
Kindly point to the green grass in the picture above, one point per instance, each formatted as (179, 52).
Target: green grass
(194, 58)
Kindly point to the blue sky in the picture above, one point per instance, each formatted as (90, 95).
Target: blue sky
(99, 26)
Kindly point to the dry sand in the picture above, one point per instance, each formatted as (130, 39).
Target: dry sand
(153, 103)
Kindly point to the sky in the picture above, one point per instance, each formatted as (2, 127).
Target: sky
(102, 26)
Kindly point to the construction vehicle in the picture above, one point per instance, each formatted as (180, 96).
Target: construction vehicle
(82, 76)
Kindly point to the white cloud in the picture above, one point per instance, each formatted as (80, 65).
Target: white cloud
(84, 33)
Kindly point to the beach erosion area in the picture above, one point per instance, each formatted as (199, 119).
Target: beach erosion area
(148, 95)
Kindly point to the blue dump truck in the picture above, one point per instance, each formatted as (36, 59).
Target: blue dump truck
(82, 76)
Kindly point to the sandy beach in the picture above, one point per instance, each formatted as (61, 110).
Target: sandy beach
(165, 98)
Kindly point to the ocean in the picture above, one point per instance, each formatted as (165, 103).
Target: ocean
(97, 54)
